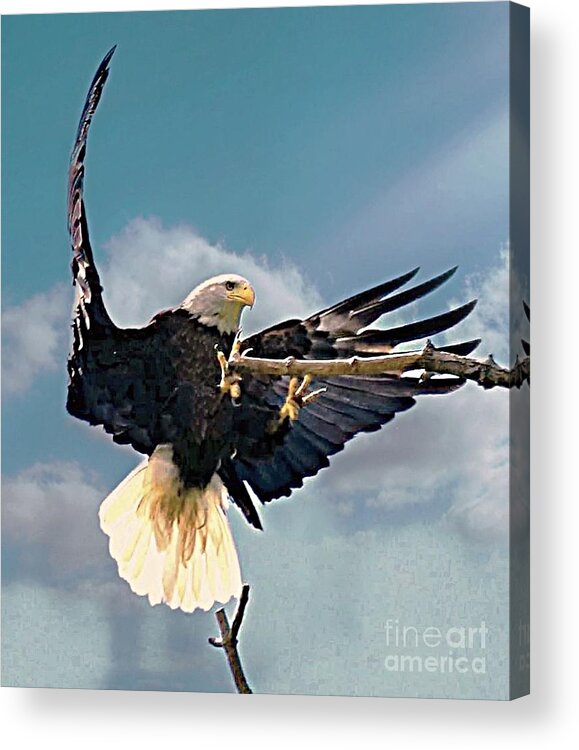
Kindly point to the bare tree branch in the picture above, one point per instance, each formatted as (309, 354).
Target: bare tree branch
(484, 372)
(228, 641)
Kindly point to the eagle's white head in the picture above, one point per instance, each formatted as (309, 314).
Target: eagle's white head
(220, 301)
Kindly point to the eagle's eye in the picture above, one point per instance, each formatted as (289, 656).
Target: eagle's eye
(229, 285)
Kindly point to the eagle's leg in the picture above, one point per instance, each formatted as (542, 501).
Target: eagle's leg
(229, 382)
(298, 396)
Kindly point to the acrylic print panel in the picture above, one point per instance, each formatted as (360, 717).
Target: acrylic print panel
(305, 156)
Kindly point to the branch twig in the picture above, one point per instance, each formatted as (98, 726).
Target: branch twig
(228, 641)
(484, 372)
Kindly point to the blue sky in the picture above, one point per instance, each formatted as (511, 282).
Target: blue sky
(317, 151)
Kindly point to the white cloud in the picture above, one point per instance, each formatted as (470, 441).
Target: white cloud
(489, 320)
(449, 451)
(147, 267)
(33, 336)
(49, 522)
(150, 267)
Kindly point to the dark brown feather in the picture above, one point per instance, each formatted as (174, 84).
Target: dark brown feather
(351, 404)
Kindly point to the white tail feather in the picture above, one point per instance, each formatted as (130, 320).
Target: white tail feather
(171, 543)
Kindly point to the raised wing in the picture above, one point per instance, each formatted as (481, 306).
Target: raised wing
(85, 276)
(110, 382)
(275, 464)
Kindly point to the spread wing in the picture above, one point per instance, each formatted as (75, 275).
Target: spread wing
(273, 465)
(104, 363)
(116, 377)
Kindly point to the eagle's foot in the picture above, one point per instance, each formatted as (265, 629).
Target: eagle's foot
(229, 382)
(236, 348)
(298, 396)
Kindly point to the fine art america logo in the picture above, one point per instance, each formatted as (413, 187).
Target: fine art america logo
(433, 649)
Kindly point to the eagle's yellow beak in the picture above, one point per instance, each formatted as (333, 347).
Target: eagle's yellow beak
(243, 294)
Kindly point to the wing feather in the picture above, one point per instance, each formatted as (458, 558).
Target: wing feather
(350, 405)
(115, 375)
(84, 272)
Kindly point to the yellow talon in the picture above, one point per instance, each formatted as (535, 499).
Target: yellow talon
(313, 396)
(236, 348)
(305, 384)
(222, 359)
(229, 382)
(298, 396)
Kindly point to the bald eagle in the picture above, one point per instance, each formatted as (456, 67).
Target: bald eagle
(209, 436)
